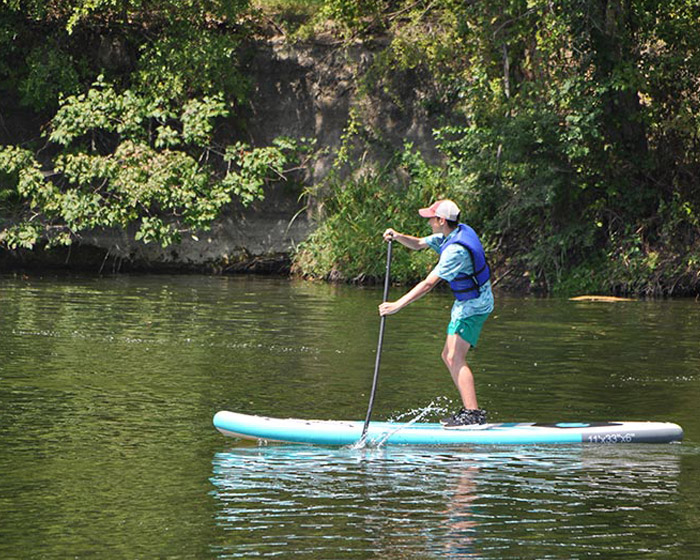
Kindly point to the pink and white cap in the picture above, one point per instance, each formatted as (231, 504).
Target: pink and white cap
(441, 209)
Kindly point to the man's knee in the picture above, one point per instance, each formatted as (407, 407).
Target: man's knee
(447, 357)
(454, 353)
(452, 359)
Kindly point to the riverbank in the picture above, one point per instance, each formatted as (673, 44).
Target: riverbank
(291, 134)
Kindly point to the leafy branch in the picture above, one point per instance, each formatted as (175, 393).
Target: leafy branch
(124, 159)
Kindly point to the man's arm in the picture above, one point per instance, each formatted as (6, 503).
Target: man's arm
(415, 243)
(417, 292)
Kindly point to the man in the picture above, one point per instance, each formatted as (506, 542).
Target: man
(463, 264)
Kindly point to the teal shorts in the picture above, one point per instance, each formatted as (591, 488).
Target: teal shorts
(468, 328)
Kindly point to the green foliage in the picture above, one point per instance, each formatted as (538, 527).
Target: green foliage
(51, 74)
(295, 19)
(138, 149)
(353, 15)
(361, 203)
(303, 19)
(163, 48)
(187, 62)
(562, 142)
(125, 160)
(570, 137)
(574, 150)
(162, 12)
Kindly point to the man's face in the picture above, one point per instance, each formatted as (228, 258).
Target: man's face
(436, 224)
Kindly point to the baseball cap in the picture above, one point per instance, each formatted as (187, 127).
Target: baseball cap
(441, 209)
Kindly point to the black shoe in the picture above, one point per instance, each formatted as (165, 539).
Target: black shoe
(449, 418)
(461, 413)
(465, 417)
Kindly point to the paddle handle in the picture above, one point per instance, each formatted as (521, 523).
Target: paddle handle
(378, 358)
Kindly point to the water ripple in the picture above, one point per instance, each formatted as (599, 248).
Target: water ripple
(460, 501)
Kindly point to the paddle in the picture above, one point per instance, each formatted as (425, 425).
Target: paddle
(379, 344)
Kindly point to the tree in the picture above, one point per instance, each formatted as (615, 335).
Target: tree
(124, 159)
(138, 148)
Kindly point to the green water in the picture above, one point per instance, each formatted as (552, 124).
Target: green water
(108, 387)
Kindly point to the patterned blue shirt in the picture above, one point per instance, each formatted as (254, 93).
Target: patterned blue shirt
(457, 260)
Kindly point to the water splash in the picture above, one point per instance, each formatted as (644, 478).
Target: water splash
(440, 405)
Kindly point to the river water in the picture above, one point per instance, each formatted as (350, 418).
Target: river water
(108, 387)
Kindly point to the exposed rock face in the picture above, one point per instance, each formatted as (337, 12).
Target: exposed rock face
(257, 239)
(307, 90)
(299, 90)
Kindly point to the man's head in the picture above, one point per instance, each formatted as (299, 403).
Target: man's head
(440, 213)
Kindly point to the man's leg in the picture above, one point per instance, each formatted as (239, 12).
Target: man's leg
(454, 354)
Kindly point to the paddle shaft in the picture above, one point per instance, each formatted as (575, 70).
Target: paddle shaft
(379, 343)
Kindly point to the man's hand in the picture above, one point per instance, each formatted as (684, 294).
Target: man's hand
(388, 308)
(390, 234)
(409, 241)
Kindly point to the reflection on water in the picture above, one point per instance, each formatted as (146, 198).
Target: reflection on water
(108, 387)
(457, 502)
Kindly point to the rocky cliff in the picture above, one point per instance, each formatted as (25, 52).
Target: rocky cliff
(301, 90)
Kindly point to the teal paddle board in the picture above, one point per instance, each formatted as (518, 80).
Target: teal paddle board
(333, 432)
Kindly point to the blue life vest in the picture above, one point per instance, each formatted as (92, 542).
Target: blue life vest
(466, 286)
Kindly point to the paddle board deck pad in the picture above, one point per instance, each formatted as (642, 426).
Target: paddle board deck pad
(331, 432)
